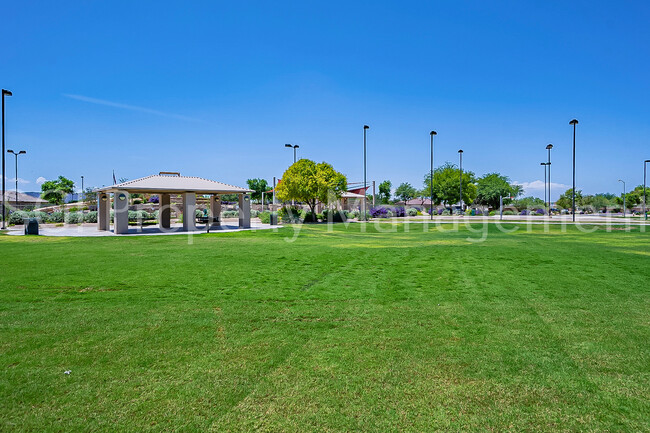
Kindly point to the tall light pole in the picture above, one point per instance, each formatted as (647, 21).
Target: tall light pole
(432, 134)
(623, 195)
(294, 159)
(365, 129)
(645, 164)
(294, 150)
(549, 147)
(5, 92)
(574, 122)
(460, 155)
(545, 164)
(22, 152)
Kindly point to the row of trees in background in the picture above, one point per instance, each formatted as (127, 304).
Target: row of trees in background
(485, 190)
(309, 182)
(602, 201)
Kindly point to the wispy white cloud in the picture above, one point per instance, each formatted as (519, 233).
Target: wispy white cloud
(40, 180)
(536, 187)
(128, 107)
(12, 180)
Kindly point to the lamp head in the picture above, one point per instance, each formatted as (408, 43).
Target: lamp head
(647, 160)
(288, 145)
(6, 92)
(296, 146)
(460, 151)
(366, 127)
(573, 122)
(433, 133)
(549, 147)
(22, 152)
(10, 151)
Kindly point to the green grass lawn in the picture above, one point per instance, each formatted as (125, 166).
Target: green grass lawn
(337, 331)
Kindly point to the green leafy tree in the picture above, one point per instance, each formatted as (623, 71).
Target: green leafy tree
(528, 203)
(89, 196)
(565, 200)
(446, 185)
(405, 192)
(632, 198)
(230, 198)
(309, 182)
(258, 186)
(384, 192)
(599, 202)
(54, 191)
(492, 186)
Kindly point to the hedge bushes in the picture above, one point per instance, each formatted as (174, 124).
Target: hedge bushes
(265, 217)
(73, 218)
(90, 217)
(18, 217)
(230, 214)
(336, 216)
(379, 212)
(412, 212)
(56, 217)
(290, 214)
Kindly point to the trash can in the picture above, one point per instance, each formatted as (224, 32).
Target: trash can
(274, 219)
(31, 226)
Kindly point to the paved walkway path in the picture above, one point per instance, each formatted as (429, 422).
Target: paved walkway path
(90, 230)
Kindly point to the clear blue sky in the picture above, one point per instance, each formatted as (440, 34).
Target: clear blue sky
(216, 89)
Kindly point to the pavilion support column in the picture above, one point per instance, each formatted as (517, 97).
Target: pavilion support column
(215, 210)
(121, 212)
(103, 211)
(189, 211)
(244, 211)
(164, 211)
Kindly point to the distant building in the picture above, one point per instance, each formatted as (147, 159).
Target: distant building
(23, 202)
(418, 203)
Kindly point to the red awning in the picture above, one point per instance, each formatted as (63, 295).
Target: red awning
(358, 190)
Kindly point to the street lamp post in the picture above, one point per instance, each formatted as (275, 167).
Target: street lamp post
(294, 159)
(5, 92)
(83, 198)
(623, 196)
(365, 129)
(460, 155)
(574, 122)
(432, 134)
(294, 150)
(545, 164)
(645, 164)
(549, 147)
(22, 152)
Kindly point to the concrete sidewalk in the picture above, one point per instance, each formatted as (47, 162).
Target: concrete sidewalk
(90, 230)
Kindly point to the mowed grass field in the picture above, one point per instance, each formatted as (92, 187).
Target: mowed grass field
(340, 330)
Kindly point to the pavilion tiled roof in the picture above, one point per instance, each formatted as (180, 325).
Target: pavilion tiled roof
(174, 184)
